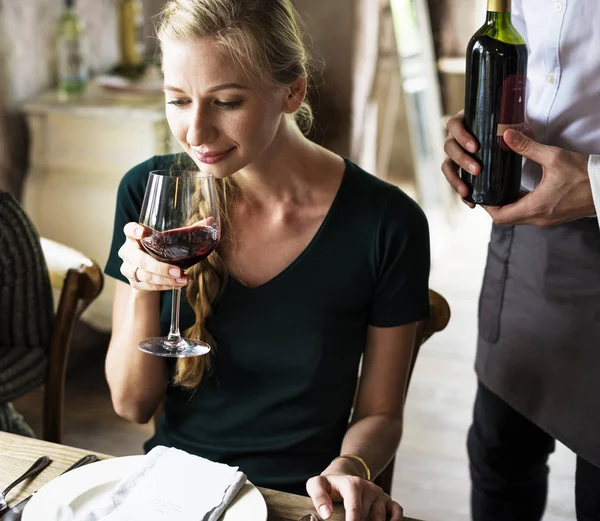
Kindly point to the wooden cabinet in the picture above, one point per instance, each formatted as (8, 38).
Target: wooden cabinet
(80, 150)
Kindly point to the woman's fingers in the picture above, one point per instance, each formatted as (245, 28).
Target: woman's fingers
(395, 511)
(143, 271)
(148, 281)
(132, 255)
(378, 508)
(351, 490)
(209, 221)
(134, 231)
(363, 501)
(318, 490)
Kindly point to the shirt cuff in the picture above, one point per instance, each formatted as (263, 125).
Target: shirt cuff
(594, 173)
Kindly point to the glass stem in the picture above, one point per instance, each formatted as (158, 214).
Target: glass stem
(174, 334)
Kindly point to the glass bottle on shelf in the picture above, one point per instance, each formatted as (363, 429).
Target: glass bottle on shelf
(73, 70)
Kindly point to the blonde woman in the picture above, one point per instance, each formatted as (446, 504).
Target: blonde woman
(320, 264)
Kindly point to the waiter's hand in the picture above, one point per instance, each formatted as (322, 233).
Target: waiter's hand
(459, 144)
(564, 193)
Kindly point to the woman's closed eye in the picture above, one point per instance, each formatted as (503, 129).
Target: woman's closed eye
(178, 102)
(225, 105)
(228, 105)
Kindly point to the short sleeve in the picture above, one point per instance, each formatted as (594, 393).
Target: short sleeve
(130, 196)
(594, 172)
(402, 263)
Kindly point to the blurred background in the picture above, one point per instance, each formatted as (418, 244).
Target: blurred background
(393, 72)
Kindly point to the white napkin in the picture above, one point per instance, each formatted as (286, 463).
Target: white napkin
(170, 485)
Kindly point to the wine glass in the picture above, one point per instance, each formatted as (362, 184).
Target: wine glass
(180, 217)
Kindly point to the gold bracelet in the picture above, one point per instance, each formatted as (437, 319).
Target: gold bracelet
(360, 460)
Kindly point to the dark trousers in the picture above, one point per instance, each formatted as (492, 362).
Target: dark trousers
(508, 461)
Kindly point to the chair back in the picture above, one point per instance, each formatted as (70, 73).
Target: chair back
(79, 280)
(438, 320)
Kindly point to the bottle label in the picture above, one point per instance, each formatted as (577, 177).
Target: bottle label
(512, 110)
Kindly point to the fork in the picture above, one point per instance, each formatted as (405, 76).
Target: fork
(16, 512)
(35, 469)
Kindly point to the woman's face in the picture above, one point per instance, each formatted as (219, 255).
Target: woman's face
(222, 121)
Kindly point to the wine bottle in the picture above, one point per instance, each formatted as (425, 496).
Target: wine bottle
(71, 52)
(131, 32)
(495, 102)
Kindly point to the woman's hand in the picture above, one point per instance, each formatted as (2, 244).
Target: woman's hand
(363, 500)
(144, 272)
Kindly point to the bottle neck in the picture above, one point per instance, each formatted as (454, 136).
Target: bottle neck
(496, 18)
(498, 11)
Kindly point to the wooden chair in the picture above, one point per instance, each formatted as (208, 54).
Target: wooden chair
(438, 320)
(80, 281)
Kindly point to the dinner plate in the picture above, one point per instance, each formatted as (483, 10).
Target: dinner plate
(82, 487)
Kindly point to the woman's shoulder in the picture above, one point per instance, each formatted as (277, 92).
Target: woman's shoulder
(384, 198)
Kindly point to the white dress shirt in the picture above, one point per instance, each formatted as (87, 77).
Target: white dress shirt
(563, 79)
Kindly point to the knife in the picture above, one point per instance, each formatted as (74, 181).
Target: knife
(16, 512)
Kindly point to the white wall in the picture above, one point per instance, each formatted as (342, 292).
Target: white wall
(27, 56)
(27, 29)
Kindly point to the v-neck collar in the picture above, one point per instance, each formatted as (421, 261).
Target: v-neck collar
(310, 246)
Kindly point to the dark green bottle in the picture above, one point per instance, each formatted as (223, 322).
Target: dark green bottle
(494, 102)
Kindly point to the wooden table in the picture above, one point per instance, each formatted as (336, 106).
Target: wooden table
(18, 453)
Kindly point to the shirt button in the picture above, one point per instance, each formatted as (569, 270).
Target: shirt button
(558, 6)
(551, 79)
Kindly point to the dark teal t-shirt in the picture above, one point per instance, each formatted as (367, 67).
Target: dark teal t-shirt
(284, 368)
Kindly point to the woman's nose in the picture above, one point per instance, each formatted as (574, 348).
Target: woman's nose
(202, 129)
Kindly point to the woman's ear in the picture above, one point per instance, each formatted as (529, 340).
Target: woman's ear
(294, 95)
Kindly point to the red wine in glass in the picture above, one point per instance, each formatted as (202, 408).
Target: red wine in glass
(182, 247)
(180, 217)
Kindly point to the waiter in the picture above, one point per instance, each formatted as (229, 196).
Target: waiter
(538, 352)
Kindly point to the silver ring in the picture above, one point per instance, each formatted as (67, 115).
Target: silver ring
(135, 277)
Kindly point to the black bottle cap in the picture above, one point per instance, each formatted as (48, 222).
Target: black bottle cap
(69, 4)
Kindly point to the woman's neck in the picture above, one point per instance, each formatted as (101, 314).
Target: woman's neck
(286, 171)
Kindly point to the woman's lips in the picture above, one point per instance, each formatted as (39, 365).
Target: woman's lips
(212, 157)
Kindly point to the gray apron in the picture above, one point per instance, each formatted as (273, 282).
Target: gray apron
(539, 328)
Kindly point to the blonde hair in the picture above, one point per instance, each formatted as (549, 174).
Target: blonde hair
(265, 38)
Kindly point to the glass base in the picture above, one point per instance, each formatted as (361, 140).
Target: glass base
(162, 346)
